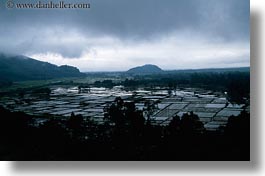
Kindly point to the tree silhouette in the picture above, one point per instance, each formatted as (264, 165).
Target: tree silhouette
(75, 125)
(237, 135)
(191, 124)
(174, 126)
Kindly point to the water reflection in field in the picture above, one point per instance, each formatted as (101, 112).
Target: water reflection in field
(212, 108)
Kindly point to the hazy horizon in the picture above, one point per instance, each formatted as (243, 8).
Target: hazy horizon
(124, 70)
(121, 34)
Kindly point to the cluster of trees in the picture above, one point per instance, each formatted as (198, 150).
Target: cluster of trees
(125, 135)
(235, 83)
(105, 83)
(5, 83)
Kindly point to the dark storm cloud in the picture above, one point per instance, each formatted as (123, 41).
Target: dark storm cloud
(127, 18)
(133, 21)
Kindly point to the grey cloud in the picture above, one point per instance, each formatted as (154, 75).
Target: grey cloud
(137, 20)
(140, 17)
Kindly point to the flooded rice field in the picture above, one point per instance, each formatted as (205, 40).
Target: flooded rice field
(212, 108)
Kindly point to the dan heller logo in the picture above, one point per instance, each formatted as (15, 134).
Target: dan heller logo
(10, 4)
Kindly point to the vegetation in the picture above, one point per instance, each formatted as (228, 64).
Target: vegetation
(21, 68)
(124, 136)
(145, 69)
(235, 83)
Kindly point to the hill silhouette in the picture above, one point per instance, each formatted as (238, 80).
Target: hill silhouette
(145, 69)
(21, 68)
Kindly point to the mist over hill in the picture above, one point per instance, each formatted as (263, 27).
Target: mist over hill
(21, 68)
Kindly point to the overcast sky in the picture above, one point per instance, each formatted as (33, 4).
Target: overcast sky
(115, 35)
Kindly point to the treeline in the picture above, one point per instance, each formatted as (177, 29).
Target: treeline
(125, 135)
(205, 79)
(4, 83)
(235, 83)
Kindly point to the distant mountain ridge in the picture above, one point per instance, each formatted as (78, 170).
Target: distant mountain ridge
(21, 68)
(145, 69)
(231, 69)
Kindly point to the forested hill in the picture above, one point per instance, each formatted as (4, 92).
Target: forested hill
(21, 68)
(148, 68)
